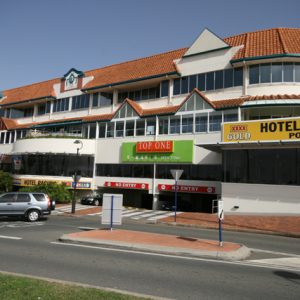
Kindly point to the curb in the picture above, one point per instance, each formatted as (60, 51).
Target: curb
(240, 254)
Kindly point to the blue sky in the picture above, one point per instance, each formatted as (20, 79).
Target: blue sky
(42, 40)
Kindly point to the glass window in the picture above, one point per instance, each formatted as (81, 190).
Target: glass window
(95, 99)
(42, 109)
(164, 88)
(276, 72)
(140, 127)
(110, 129)
(210, 81)
(163, 125)
(238, 76)
(288, 70)
(215, 121)
(106, 99)
(187, 123)
(176, 86)
(92, 134)
(145, 94)
(102, 128)
(184, 85)
(129, 131)
(254, 74)
(297, 72)
(174, 125)
(201, 123)
(230, 117)
(120, 129)
(152, 93)
(228, 81)
(192, 82)
(151, 125)
(137, 95)
(265, 73)
(219, 79)
(201, 82)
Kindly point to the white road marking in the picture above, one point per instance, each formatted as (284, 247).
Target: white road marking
(163, 216)
(291, 262)
(150, 214)
(10, 237)
(241, 263)
(274, 252)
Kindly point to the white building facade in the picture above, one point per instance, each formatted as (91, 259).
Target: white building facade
(225, 111)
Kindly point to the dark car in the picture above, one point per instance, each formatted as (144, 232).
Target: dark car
(92, 200)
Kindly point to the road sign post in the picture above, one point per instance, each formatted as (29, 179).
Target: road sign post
(221, 218)
(176, 175)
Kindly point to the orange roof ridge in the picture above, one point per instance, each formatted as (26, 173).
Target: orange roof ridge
(282, 41)
(137, 59)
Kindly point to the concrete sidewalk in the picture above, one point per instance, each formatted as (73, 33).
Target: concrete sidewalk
(159, 243)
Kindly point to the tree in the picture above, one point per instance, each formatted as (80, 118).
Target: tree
(56, 191)
(6, 182)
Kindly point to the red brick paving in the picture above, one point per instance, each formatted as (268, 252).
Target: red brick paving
(136, 237)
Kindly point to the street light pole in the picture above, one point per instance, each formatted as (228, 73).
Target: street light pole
(76, 177)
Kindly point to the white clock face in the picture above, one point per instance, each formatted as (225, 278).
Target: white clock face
(71, 81)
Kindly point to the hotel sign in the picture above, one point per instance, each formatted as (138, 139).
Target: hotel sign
(158, 152)
(187, 188)
(263, 130)
(127, 185)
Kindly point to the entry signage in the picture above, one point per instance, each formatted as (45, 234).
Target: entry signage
(263, 130)
(154, 147)
(127, 185)
(153, 152)
(187, 188)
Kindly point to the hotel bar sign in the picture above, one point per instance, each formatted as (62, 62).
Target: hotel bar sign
(263, 130)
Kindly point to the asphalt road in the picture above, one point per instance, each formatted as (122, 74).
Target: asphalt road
(38, 253)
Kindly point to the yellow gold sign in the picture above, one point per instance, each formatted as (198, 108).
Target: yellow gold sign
(270, 130)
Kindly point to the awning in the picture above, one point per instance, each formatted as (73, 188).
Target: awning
(218, 147)
(57, 124)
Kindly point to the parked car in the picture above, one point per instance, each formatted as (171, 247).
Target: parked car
(32, 206)
(92, 200)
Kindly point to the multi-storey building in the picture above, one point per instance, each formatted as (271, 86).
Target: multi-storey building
(225, 111)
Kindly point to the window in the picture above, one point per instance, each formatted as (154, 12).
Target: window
(61, 105)
(95, 99)
(140, 127)
(110, 128)
(28, 112)
(238, 76)
(230, 117)
(176, 86)
(210, 81)
(187, 123)
(215, 121)
(163, 125)
(174, 125)
(164, 88)
(276, 70)
(288, 70)
(102, 128)
(82, 101)
(23, 198)
(265, 73)
(228, 80)
(184, 85)
(192, 82)
(201, 82)
(92, 134)
(297, 72)
(254, 74)
(129, 131)
(151, 125)
(219, 80)
(44, 108)
(120, 129)
(201, 123)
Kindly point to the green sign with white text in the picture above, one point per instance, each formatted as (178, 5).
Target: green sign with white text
(183, 152)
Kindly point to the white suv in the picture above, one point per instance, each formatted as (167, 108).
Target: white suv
(30, 205)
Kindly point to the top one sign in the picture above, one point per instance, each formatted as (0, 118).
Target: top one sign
(263, 130)
(154, 147)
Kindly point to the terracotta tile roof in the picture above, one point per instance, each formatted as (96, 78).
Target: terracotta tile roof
(104, 117)
(136, 69)
(30, 92)
(6, 124)
(268, 42)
